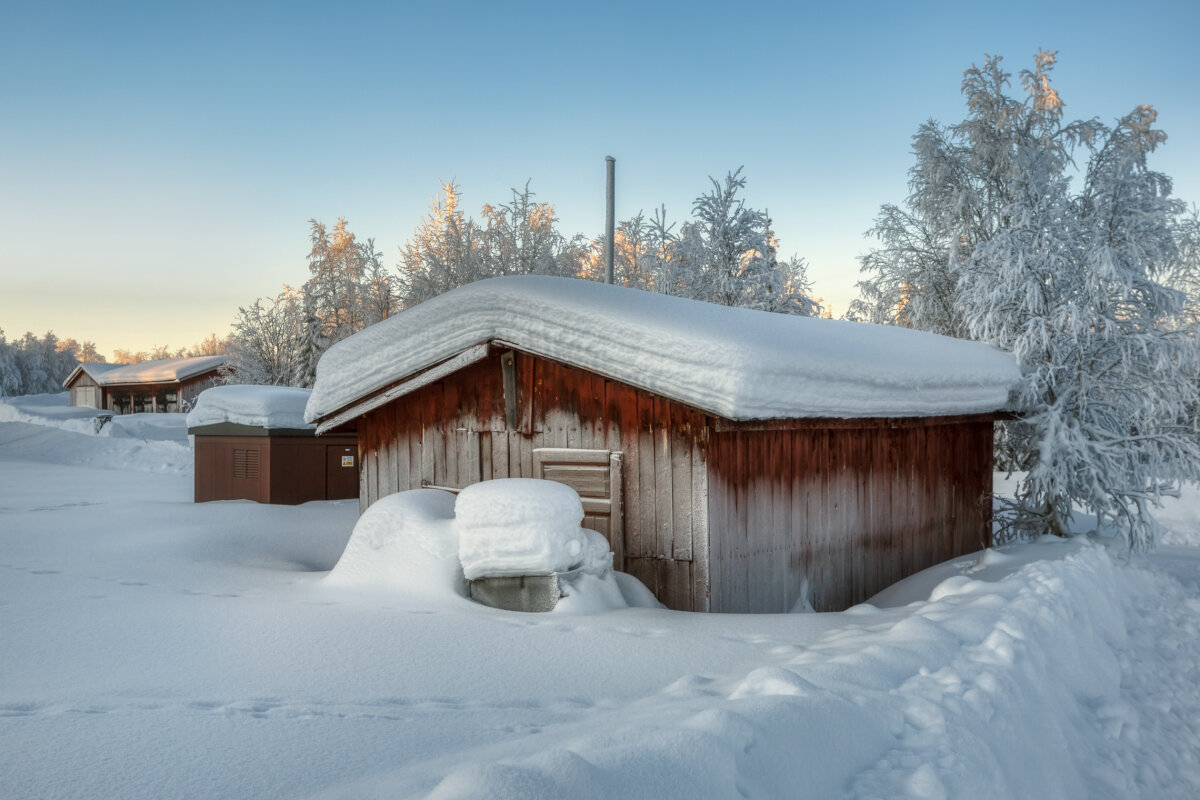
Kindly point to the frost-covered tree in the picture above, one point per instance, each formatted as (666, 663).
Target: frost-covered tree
(264, 346)
(312, 344)
(211, 345)
(338, 265)
(911, 280)
(32, 365)
(727, 254)
(641, 252)
(960, 188)
(520, 238)
(443, 252)
(449, 249)
(10, 376)
(1072, 282)
(379, 289)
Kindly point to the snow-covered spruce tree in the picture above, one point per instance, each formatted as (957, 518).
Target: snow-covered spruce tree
(726, 254)
(10, 376)
(1071, 284)
(312, 344)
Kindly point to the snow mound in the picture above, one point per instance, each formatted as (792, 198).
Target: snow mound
(410, 543)
(259, 406)
(46, 429)
(524, 526)
(405, 542)
(734, 362)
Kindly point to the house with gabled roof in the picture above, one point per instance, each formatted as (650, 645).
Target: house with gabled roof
(736, 460)
(163, 385)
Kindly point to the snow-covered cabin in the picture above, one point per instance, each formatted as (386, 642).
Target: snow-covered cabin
(164, 385)
(252, 443)
(736, 460)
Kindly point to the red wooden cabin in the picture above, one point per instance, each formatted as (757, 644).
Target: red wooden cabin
(723, 482)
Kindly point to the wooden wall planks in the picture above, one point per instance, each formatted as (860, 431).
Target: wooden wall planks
(717, 516)
(849, 510)
(453, 433)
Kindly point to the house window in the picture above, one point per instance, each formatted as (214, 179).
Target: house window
(245, 464)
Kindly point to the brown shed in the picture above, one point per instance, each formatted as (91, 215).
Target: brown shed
(251, 443)
(736, 460)
(163, 386)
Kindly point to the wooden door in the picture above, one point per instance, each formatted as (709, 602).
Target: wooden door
(596, 476)
(341, 472)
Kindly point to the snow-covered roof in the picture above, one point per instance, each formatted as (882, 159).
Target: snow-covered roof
(93, 370)
(732, 362)
(164, 370)
(258, 406)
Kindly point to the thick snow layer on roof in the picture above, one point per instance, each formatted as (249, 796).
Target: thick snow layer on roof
(733, 362)
(164, 370)
(260, 406)
(522, 526)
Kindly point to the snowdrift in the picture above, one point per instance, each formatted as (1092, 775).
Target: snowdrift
(45, 428)
(1002, 688)
(425, 544)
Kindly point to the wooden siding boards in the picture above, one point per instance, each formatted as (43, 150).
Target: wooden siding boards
(290, 469)
(453, 432)
(717, 515)
(850, 510)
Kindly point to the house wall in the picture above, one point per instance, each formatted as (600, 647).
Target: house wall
(851, 507)
(454, 432)
(304, 468)
(191, 388)
(284, 470)
(185, 393)
(85, 391)
(215, 475)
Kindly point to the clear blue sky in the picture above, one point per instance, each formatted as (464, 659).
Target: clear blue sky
(160, 161)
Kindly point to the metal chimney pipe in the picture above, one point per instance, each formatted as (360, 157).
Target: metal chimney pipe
(611, 164)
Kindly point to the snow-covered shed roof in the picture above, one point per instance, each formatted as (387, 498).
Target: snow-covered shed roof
(257, 406)
(732, 362)
(164, 370)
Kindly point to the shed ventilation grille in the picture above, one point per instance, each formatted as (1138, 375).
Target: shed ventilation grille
(245, 463)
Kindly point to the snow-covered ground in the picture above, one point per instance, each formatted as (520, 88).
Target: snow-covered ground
(155, 648)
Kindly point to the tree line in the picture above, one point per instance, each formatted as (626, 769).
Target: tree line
(37, 365)
(726, 252)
